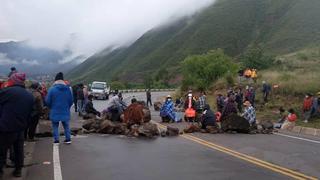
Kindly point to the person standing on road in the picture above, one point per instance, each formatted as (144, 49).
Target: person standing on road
(80, 99)
(59, 100)
(75, 98)
(239, 99)
(149, 97)
(15, 111)
(36, 112)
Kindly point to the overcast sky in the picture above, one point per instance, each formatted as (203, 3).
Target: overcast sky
(87, 26)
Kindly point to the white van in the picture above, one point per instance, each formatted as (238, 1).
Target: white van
(100, 90)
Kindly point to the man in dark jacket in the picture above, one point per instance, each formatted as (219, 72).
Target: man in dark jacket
(208, 117)
(148, 93)
(90, 109)
(75, 98)
(80, 99)
(15, 110)
(36, 112)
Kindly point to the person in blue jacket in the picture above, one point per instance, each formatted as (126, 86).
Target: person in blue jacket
(167, 111)
(59, 100)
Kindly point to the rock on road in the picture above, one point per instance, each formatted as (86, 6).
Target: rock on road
(100, 157)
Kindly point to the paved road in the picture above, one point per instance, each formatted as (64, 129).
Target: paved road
(117, 157)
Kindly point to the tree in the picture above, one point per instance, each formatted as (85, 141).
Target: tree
(201, 71)
(117, 85)
(255, 58)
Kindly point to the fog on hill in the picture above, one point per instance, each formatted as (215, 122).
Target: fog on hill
(86, 27)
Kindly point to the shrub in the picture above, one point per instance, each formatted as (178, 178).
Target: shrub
(200, 71)
(255, 58)
(117, 85)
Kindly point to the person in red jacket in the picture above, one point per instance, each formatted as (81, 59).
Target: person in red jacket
(290, 121)
(307, 107)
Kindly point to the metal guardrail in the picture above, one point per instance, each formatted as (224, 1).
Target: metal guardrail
(144, 90)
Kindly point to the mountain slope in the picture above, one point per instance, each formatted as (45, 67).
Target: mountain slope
(281, 26)
(31, 60)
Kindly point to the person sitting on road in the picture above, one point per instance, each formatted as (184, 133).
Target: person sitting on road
(117, 106)
(249, 113)
(282, 118)
(90, 110)
(167, 110)
(229, 109)
(290, 121)
(134, 113)
(190, 106)
(208, 117)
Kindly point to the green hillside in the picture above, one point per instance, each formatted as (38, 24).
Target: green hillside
(280, 26)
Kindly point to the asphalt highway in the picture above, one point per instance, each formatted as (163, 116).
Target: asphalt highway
(194, 156)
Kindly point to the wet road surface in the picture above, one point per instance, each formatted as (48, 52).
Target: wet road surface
(117, 157)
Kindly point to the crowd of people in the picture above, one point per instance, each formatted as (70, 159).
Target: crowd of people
(197, 109)
(20, 110)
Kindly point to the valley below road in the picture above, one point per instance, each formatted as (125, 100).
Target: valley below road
(187, 157)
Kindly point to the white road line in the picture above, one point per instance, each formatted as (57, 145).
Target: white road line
(56, 163)
(294, 137)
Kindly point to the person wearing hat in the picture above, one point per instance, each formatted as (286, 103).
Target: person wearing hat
(167, 110)
(249, 113)
(36, 112)
(59, 100)
(15, 106)
(190, 108)
(13, 70)
(208, 117)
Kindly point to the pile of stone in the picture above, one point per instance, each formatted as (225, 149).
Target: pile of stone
(235, 123)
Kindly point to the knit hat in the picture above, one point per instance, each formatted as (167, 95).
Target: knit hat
(59, 76)
(35, 85)
(18, 78)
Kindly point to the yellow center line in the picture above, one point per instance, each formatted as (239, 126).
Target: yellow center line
(253, 160)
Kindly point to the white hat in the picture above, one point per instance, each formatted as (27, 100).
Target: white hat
(169, 96)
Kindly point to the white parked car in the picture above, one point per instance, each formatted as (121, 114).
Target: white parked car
(100, 90)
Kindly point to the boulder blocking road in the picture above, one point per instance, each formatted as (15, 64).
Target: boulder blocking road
(193, 156)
